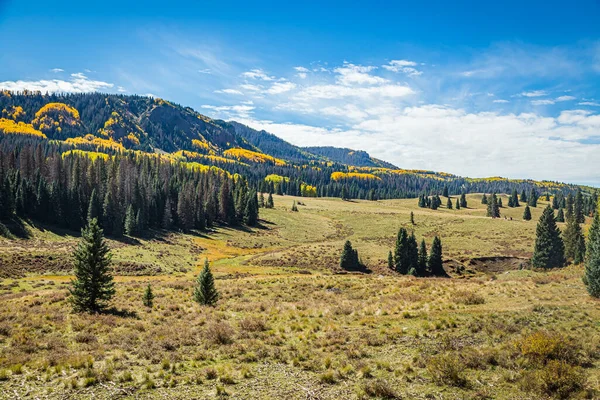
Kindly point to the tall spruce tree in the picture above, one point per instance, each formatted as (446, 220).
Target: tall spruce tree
(413, 255)
(533, 198)
(523, 197)
(93, 286)
(493, 210)
(93, 210)
(205, 292)
(484, 199)
(130, 221)
(591, 277)
(270, 203)
(401, 252)
(390, 260)
(449, 204)
(578, 207)
(560, 215)
(549, 250)
(422, 261)
(349, 258)
(463, 201)
(435, 263)
(527, 213)
(457, 204)
(574, 241)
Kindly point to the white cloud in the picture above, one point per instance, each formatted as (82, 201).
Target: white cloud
(339, 91)
(565, 98)
(501, 101)
(351, 74)
(301, 69)
(281, 87)
(404, 66)
(589, 103)
(229, 91)
(57, 70)
(542, 102)
(79, 83)
(424, 137)
(251, 88)
(535, 93)
(235, 111)
(258, 74)
(205, 71)
(121, 89)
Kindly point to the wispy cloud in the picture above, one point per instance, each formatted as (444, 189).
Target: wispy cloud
(257, 74)
(405, 66)
(79, 83)
(589, 103)
(542, 102)
(501, 101)
(351, 74)
(57, 70)
(229, 91)
(565, 98)
(281, 87)
(535, 93)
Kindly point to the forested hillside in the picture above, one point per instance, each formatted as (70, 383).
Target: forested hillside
(117, 129)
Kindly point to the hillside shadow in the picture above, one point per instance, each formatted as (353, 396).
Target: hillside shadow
(14, 228)
(120, 313)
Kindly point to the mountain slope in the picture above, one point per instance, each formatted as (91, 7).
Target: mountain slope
(358, 158)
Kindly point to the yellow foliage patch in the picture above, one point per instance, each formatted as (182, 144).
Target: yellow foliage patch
(252, 156)
(10, 127)
(100, 143)
(93, 155)
(192, 155)
(276, 178)
(57, 107)
(336, 176)
(14, 113)
(200, 144)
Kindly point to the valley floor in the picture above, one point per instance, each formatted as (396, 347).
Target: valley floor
(288, 324)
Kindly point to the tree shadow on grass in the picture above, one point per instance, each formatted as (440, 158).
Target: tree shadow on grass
(120, 313)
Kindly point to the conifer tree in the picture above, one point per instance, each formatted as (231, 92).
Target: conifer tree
(130, 221)
(148, 298)
(422, 261)
(344, 194)
(261, 200)
(251, 211)
(349, 258)
(205, 292)
(412, 254)
(93, 210)
(270, 203)
(569, 205)
(515, 199)
(412, 218)
(445, 191)
(167, 220)
(463, 200)
(226, 204)
(294, 206)
(449, 204)
(390, 260)
(93, 286)
(492, 207)
(578, 207)
(527, 213)
(401, 252)
(591, 277)
(457, 204)
(549, 250)
(484, 199)
(533, 198)
(574, 241)
(560, 215)
(555, 204)
(523, 197)
(436, 267)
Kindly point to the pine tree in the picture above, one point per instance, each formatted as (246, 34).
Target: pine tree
(349, 258)
(555, 204)
(130, 221)
(533, 198)
(422, 260)
(484, 199)
(412, 254)
(205, 292)
(569, 205)
(449, 204)
(401, 252)
(514, 199)
(226, 204)
(527, 213)
(294, 206)
(93, 286)
(445, 191)
(344, 194)
(251, 211)
(492, 207)
(457, 204)
(578, 208)
(270, 203)
(574, 241)
(93, 207)
(591, 277)
(549, 250)
(390, 260)
(412, 218)
(463, 201)
(148, 298)
(261, 200)
(436, 266)
(560, 215)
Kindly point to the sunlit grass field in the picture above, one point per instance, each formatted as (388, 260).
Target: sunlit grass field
(290, 325)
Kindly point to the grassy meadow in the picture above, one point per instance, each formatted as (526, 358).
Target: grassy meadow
(290, 325)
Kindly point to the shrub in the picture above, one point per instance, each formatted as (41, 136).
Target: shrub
(220, 333)
(380, 389)
(556, 378)
(328, 377)
(469, 298)
(540, 347)
(447, 370)
(253, 324)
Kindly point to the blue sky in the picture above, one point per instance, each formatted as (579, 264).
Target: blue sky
(469, 88)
